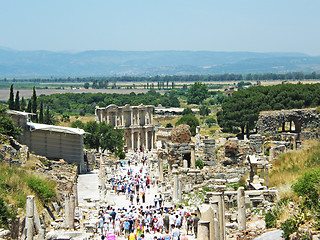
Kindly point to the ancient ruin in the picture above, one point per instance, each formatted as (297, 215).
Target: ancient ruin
(299, 120)
(136, 121)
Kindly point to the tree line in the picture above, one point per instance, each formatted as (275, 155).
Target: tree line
(85, 103)
(32, 105)
(178, 78)
(241, 110)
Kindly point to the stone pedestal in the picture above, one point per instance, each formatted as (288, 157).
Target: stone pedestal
(204, 230)
(241, 209)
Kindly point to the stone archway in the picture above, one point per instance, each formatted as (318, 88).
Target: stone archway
(272, 121)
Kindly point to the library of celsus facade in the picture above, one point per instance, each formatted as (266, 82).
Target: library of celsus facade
(136, 121)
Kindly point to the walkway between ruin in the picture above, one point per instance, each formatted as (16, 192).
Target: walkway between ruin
(88, 189)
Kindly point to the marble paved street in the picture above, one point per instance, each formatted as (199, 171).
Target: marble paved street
(89, 195)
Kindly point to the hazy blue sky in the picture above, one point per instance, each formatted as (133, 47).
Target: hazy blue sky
(215, 25)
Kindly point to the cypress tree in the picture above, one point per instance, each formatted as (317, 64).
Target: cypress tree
(11, 98)
(29, 107)
(47, 116)
(34, 105)
(17, 102)
(23, 104)
(41, 113)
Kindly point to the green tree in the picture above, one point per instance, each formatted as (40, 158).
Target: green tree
(210, 121)
(23, 104)
(86, 85)
(103, 136)
(187, 111)
(41, 117)
(204, 110)
(17, 102)
(34, 105)
(29, 106)
(197, 93)
(7, 126)
(49, 117)
(11, 98)
(78, 124)
(190, 120)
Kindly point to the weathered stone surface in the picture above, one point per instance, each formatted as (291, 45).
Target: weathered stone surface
(271, 121)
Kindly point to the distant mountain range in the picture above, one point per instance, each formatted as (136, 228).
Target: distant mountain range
(32, 64)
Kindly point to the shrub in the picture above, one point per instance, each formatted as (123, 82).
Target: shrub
(5, 214)
(199, 163)
(169, 125)
(42, 188)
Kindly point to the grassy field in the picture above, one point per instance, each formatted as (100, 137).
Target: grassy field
(292, 165)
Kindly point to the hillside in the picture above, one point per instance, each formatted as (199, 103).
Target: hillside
(116, 63)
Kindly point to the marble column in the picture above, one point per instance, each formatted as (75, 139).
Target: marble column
(175, 185)
(108, 118)
(193, 157)
(152, 139)
(29, 225)
(146, 139)
(138, 118)
(67, 210)
(122, 119)
(138, 142)
(131, 120)
(241, 209)
(132, 140)
(219, 197)
(204, 230)
(180, 190)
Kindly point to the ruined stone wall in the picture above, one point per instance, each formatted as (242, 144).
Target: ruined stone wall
(303, 119)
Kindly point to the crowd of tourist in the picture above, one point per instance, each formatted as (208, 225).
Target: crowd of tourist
(140, 220)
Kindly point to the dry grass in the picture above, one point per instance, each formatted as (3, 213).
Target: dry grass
(292, 165)
(83, 119)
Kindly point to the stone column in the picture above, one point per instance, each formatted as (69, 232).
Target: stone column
(161, 170)
(29, 217)
(193, 156)
(185, 163)
(108, 119)
(131, 120)
(138, 118)
(267, 177)
(146, 139)
(67, 212)
(122, 118)
(152, 139)
(216, 225)
(36, 219)
(219, 197)
(175, 185)
(203, 230)
(72, 211)
(241, 209)
(132, 140)
(180, 190)
(139, 142)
